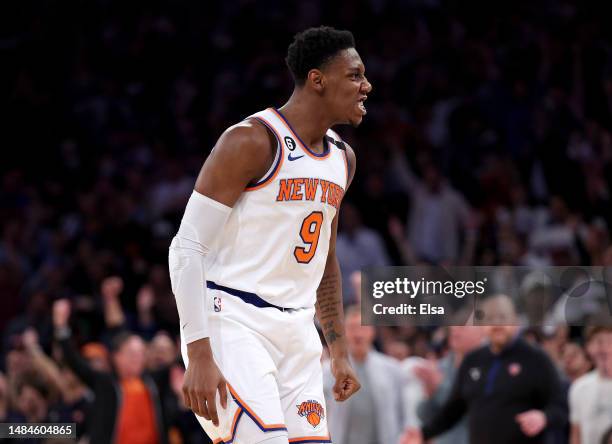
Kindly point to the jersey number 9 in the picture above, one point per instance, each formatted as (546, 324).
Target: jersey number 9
(309, 232)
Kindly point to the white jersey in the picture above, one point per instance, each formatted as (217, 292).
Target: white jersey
(276, 240)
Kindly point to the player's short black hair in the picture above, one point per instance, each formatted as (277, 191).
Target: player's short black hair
(312, 48)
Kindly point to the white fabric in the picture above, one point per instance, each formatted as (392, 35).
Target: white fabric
(249, 433)
(590, 400)
(202, 222)
(271, 360)
(255, 252)
(276, 440)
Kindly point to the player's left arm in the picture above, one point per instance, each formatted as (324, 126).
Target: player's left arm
(331, 314)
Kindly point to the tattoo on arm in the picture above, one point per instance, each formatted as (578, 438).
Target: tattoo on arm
(329, 306)
(330, 334)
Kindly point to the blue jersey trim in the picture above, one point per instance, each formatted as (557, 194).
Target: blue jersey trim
(255, 420)
(233, 431)
(249, 298)
(279, 156)
(314, 153)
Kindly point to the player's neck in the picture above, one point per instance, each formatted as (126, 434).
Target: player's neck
(307, 119)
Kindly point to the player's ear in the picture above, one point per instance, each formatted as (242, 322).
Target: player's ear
(316, 79)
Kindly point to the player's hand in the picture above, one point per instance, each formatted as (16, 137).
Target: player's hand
(346, 380)
(532, 422)
(61, 313)
(412, 436)
(202, 380)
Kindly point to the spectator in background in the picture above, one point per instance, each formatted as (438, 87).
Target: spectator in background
(357, 247)
(181, 424)
(438, 379)
(32, 401)
(607, 438)
(74, 399)
(145, 322)
(536, 299)
(591, 395)
(554, 239)
(128, 402)
(575, 361)
(36, 315)
(375, 413)
(553, 341)
(440, 224)
(509, 390)
(17, 363)
(96, 355)
(4, 400)
(412, 390)
(161, 352)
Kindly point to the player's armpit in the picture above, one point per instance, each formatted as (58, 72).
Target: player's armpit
(242, 155)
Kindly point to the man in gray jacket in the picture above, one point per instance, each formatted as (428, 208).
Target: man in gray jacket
(374, 414)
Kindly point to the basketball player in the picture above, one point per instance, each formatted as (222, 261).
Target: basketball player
(254, 257)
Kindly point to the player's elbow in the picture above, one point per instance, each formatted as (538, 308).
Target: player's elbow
(187, 241)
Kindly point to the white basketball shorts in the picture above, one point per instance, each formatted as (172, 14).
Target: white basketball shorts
(271, 360)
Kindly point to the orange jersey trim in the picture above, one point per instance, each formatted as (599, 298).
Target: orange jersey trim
(232, 429)
(251, 413)
(311, 439)
(279, 164)
(304, 147)
(244, 408)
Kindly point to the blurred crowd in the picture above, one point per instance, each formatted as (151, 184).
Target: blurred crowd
(488, 141)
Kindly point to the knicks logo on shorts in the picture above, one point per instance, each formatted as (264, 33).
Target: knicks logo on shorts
(313, 411)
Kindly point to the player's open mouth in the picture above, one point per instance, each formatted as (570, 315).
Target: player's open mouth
(361, 106)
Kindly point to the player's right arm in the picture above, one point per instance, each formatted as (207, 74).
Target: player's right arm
(242, 155)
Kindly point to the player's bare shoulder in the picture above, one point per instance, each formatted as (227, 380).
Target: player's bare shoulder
(248, 143)
(242, 154)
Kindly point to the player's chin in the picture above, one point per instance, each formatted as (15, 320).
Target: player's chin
(355, 121)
